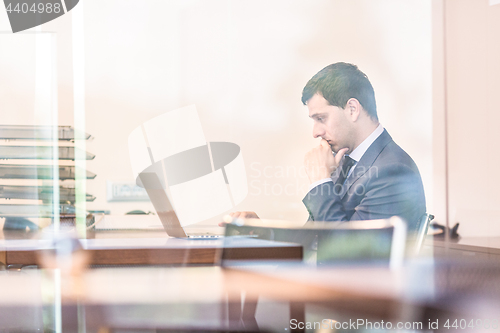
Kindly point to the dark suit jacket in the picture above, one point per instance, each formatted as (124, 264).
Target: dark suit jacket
(384, 183)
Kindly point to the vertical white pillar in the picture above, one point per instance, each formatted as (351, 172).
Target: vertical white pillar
(46, 114)
(46, 105)
(79, 116)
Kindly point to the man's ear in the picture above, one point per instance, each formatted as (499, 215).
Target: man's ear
(353, 108)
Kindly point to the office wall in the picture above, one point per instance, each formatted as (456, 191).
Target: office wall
(438, 114)
(473, 82)
(244, 64)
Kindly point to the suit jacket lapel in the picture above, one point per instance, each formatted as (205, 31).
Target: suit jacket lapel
(366, 160)
(335, 175)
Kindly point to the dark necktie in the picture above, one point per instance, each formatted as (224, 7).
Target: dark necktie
(344, 171)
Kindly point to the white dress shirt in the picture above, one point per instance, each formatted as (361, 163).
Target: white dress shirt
(356, 154)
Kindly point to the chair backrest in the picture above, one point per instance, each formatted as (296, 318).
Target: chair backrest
(380, 242)
(423, 226)
(353, 242)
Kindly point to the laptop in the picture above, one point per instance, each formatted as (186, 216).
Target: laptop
(165, 210)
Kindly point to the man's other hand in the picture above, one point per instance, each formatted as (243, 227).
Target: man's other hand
(320, 162)
(241, 215)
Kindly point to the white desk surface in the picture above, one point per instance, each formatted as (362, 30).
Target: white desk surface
(196, 285)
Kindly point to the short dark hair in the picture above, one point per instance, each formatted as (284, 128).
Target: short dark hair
(338, 83)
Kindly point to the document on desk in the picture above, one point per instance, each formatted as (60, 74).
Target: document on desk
(128, 222)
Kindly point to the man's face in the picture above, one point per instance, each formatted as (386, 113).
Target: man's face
(331, 123)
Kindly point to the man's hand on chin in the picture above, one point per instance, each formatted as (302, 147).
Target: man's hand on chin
(320, 162)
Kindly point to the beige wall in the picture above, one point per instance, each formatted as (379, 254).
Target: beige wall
(473, 83)
(244, 64)
(438, 114)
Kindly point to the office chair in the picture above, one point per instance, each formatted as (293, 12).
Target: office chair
(422, 227)
(357, 242)
(379, 242)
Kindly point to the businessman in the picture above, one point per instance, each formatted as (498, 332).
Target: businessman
(357, 172)
(368, 176)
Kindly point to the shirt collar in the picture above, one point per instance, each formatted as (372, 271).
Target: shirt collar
(363, 147)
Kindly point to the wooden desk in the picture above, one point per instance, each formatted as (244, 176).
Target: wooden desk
(469, 247)
(154, 248)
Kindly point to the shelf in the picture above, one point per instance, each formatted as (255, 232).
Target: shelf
(39, 152)
(49, 143)
(44, 193)
(34, 210)
(16, 132)
(22, 171)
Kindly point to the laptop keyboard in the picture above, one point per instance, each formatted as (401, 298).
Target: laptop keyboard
(205, 236)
